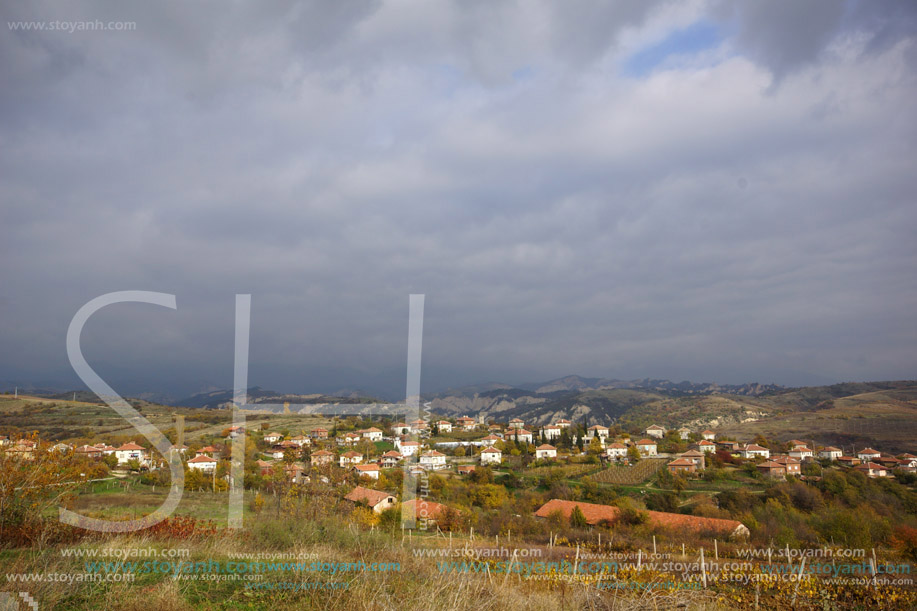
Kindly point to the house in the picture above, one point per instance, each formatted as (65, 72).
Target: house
(294, 473)
(61, 447)
(491, 439)
(130, 451)
(564, 424)
(418, 426)
(444, 426)
(465, 469)
(377, 500)
(655, 431)
(209, 451)
(908, 460)
(371, 470)
(545, 451)
(322, 457)
(235, 431)
(491, 456)
(791, 465)
(551, 431)
(319, 433)
(520, 435)
(22, 451)
(466, 423)
(772, 469)
(391, 459)
(372, 433)
(277, 452)
(684, 433)
(889, 462)
(608, 514)
(300, 440)
(424, 510)
(401, 428)
(351, 438)
(175, 449)
(433, 460)
(202, 462)
(350, 458)
(796, 443)
(597, 430)
(616, 450)
(647, 447)
(4, 440)
(407, 448)
(729, 446)
(708, 435)
(871, 469)
(849, 461)
(801, 453)
(89, 451)
(682, 465)
(698, 458)
(106, 450)
(830, 452)
(516, 423)
(705, 446)
(754, 451)
(868, 454)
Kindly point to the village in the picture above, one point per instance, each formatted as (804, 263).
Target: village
(364, 461)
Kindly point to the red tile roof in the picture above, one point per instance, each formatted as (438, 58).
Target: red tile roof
(130, 446)
(424, 510)
(201, 458)
(597, 513)
(373, 497)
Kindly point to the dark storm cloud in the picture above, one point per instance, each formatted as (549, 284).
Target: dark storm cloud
(560, 215)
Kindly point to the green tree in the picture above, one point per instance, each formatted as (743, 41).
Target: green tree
(633, 454)
(577, 519)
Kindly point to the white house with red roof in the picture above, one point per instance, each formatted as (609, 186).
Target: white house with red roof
(801, 453)
(407, 448)
(433, 460)
(350, 458)
(272, 437)
(491, 456)
(616, 450)
(444, 426)
(597, 430)
(705, 445)
(545, 451)
(753, 450)
(520, 435)
(655, 431)
(202, 462)
(131, 451)
(867, 454)
(830, 452)
(372, 433)
(647, 447)
(371, 470)
(466, 423)
(708, 435)
(552, 431)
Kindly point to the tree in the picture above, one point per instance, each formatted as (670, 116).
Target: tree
(460, 451)
(577, 519)
(595, 446)
(633, 454)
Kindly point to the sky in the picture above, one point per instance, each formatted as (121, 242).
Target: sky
(704, 190)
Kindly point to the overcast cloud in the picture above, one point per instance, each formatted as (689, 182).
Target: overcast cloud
(713, 191)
